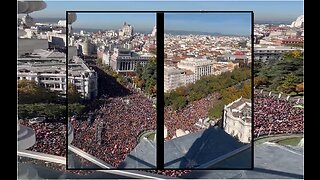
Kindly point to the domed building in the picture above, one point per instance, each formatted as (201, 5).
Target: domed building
(299, 22)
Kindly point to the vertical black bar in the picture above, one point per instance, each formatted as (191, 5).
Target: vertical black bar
(160, 90)
(252, 90)
(66, 81)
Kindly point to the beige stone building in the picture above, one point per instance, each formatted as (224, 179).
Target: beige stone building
(237, 119)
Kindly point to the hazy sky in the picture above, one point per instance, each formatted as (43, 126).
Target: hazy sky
(263, 10)
(140, 21)
(224, 23)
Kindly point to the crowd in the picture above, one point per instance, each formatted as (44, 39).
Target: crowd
(112, 133)
(187, 117)
(276, 116)
(50, 137)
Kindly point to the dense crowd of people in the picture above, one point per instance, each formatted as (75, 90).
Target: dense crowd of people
(112, 133)
(50, 137)
(276, 116)
(187, 117)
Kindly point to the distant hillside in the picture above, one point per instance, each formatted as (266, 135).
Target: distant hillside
(275, 22)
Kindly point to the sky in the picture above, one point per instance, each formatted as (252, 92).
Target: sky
(224, 23)
(266, 11)
(140, 21)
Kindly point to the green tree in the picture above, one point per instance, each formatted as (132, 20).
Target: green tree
(54, 111)
(29, 92)
(148, 76)
(208, 84)
(179, 102)
(73, 95)
(216, 110)
(293, 54)
(276, 72)
(260, 80)
(289, 84)
(75, 108)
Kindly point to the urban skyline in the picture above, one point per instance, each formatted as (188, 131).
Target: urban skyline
(282, 12)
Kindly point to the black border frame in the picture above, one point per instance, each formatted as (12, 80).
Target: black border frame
(67, 42)
(252, 89)
(160, 94)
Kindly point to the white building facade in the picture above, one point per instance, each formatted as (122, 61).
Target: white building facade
(271, 52)
(200, 67)
(237, 119)
(124, 60)
(173, 78)
(84, 78)
(48, 69)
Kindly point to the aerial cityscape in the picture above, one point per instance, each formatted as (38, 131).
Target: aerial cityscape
(205, 75)
(123, 113)
(95, 106)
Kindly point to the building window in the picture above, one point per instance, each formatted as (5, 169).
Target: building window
(50, 85)
(57, 85)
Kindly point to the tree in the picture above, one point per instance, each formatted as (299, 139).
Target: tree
(260, 80)
(54, 111)
(29, 92)
(216, 110)
(140, 84)
(209, 84)
(150, 86)
(75, 108)
(167, 100)
(293, 54)
(182, 91)
(276, 72)
(300, 87)
(139, 69)
(179, 102)
(73, 95)
(289, 84)
(148, 76)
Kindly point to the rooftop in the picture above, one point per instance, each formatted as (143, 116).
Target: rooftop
(172, 70)
(197, 149)
(271, 161)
